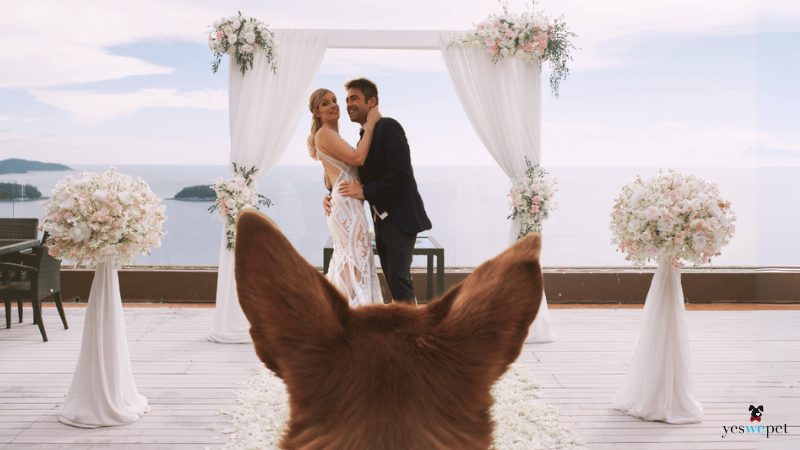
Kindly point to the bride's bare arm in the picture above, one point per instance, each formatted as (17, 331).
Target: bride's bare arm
(332, 144)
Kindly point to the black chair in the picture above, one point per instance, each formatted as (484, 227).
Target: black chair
(19, 228)
(23, 228)
(32, 277)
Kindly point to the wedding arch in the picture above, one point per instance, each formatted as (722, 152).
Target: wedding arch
(502, 101)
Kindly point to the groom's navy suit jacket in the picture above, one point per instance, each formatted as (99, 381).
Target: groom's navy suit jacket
(388, 178)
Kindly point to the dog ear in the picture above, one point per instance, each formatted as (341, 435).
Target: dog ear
(752, 407)
(487, 316)
(290, 305)
(760, 408)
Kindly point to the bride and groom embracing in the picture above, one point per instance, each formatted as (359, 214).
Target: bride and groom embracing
(379, 171)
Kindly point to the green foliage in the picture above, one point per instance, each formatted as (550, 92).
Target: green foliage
(558, 48)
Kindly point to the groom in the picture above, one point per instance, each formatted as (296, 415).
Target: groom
(388, 184)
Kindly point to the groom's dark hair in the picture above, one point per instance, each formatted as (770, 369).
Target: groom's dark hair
(367, 87)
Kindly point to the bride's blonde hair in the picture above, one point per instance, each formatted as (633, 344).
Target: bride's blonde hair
(316, 122)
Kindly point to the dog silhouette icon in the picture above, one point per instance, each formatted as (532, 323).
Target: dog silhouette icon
(756, 412)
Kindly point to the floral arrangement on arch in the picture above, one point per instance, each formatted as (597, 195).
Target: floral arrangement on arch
(241, 37)
(530, 36)
(671, 218)
(532, 198)
(102, 216)
(234, 196)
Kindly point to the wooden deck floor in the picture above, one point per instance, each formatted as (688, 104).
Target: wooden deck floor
(740, 358)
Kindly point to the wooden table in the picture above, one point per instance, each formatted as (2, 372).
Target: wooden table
(16, 245)
(426, 245)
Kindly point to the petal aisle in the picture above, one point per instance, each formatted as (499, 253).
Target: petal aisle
(523, 420)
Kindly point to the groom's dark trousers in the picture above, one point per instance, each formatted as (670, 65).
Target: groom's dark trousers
(395, 204)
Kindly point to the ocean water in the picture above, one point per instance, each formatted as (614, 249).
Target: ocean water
(468, 207)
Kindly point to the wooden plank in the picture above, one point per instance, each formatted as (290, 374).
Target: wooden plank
(739, 358)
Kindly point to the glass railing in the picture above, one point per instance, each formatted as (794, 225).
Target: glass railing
(468, 207)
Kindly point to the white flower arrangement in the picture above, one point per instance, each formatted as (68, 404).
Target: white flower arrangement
(234, 196)
(100, 217)
(241, 36)
(530, 36)
(532, 198)
(671, 218)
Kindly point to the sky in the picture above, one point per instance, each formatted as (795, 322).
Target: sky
(684, 83)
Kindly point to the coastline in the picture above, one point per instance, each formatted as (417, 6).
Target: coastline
(22, 200)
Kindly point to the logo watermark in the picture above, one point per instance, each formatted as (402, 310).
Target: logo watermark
(756, 412)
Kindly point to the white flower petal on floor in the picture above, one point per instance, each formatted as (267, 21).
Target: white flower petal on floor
(523, 421)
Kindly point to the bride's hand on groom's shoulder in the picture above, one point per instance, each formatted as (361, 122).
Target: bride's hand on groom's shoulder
(373, 116)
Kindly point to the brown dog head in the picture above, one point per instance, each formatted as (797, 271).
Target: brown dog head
(391, 377)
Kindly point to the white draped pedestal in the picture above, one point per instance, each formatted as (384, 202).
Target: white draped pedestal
(230, 324)
(103, 393)
(540, 330)
(659, 384)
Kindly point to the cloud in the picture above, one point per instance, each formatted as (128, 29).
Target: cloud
(4, 118)
(381, 62)
(30, 119)
(659, 144)
(44, 65)
(91, 108)
(606, 30)
(604, 20)
(664, 144)
(564, 144)
(129, 149)
(48, 43)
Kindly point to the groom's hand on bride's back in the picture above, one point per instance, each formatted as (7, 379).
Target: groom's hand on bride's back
(326, 205)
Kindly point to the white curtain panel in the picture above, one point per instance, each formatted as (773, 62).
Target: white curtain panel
(103, 392)
(503, 103)
(265, 109)
(659, 384)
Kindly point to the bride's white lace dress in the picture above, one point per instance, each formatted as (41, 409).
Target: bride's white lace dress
(352, 267)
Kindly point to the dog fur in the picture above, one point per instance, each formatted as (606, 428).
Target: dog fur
(384, 377)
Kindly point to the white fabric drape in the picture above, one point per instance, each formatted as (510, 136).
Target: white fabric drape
(503, 103)
(265, 109)
(103, 393)
(658, 385)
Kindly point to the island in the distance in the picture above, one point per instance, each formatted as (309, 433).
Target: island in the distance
(201, 193)
(15, 191)
(15, 165)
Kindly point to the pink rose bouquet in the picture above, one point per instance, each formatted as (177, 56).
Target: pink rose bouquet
(233, 196)
(673, 218)
(532, 198)
(241, 37)
(529, 36)
(100, 217)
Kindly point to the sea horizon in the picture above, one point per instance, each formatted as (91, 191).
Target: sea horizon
(468, 206)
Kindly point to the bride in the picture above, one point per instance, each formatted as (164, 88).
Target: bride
(352, 267)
